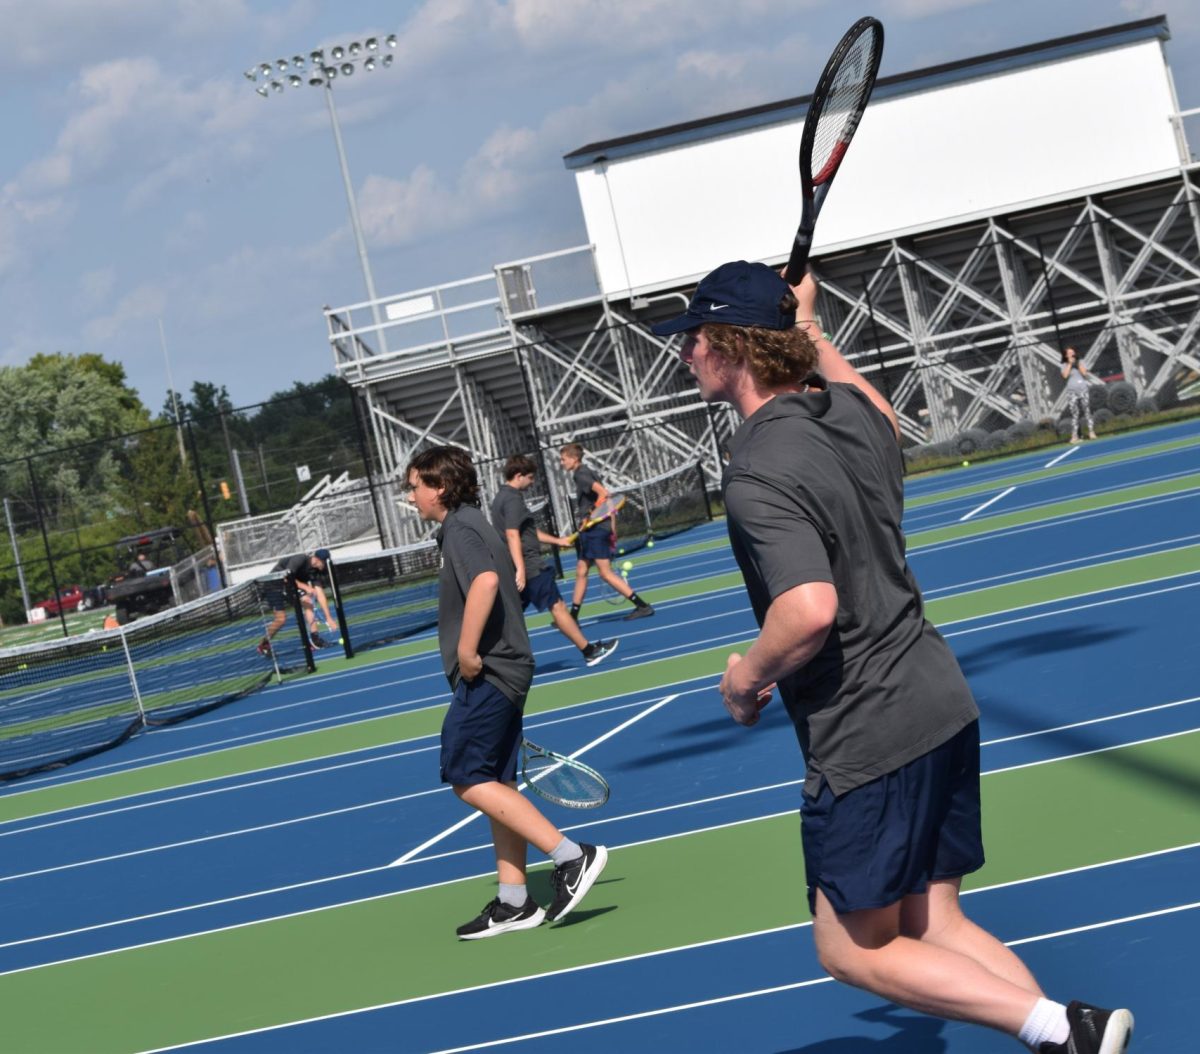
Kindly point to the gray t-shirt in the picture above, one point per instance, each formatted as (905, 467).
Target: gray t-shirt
(510, 513)
(585, 498)
(814, 493)
(470, 546)
(1075, 380)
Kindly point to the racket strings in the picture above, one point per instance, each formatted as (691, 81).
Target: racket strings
(565, 782)
(843, 106)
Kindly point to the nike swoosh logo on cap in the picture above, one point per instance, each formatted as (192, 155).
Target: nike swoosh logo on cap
(717, 307)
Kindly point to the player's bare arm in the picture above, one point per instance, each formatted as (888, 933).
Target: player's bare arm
(797, 623)
(832, 365)
(480, 598)
(512, 538)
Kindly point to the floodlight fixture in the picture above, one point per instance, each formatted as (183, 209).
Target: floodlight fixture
(251, 74)
(347, 69)
(261, 91)
(317, 57)
(298, 61)
(294, 80)
(329, 71)
(355, 48)
(372, 43)
(315, 79)
(338, 51)
(387, 60)
(282, 65)
(266, 69)
(391, 40)
(369, 64)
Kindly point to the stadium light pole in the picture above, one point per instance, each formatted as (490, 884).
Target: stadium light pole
(322, 71)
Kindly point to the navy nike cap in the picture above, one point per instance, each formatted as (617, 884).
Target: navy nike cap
(736, 294)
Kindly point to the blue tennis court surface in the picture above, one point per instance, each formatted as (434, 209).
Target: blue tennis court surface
(224, 884)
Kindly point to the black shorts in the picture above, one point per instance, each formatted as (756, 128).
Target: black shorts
(888, 838)
(541, 591)
(278, 595)
(481, 735)
(595, 543)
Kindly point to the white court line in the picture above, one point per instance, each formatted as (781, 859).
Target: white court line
(1067, 453)
(707, 944)
(990, 501)
(417, 889)
(776, 989)
(577, 754)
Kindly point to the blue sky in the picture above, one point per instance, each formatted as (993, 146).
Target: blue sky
(142, 179)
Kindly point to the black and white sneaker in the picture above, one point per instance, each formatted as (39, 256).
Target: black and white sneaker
(498, 917)
(316, 640)
(572, 881)
(264, 648)
(1094, 1031)
(600, 650)
(641, 611)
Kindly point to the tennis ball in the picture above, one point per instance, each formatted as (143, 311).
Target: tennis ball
(627, 565)
(966, 464)
(23, 666)
(650, 544)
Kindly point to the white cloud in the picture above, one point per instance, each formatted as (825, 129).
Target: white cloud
(145, 302)
(917, 9)
(95, 287)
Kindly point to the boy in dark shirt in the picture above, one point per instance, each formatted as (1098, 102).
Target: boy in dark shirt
(297, 572)
(489, 663)
(535, 574)
(594, 545)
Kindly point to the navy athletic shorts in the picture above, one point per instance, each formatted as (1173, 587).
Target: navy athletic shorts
(888, 838)
(595, 543)
(541, 591)
(481, 735)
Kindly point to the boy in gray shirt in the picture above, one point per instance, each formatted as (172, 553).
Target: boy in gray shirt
(488, 661)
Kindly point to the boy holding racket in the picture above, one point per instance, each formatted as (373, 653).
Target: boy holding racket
(535, 574)
(596, 544)
(489, 663)
(887, 725)
(297, 572)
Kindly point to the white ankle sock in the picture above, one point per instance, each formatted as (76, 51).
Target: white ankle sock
(565, 852)
(1047, 1022)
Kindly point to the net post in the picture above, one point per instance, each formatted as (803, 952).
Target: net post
(703, 488)
(291, 587)
(137, 695)
(343, 625)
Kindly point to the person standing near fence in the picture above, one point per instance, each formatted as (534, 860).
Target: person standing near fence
(597, 544)
(535, 573)
(1078, 395)
(890, 808)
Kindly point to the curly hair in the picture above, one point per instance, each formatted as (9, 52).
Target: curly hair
(774, 357)
(448, 469)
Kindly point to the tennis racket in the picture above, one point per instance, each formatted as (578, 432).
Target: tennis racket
(560, 779)
(608, 507)
(833, 115)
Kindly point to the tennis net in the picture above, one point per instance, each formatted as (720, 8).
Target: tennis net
(64, 701)
(662, 506)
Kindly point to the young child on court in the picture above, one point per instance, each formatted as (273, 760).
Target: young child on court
(489, 663)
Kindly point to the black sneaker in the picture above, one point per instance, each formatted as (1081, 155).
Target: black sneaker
(1094, 1031)
(600, 650)
(644, 611)
(316, 640)
(572, 881)
(498, 917)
